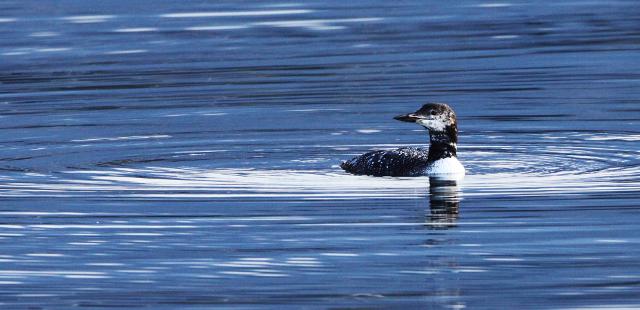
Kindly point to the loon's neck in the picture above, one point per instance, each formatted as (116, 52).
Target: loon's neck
(443, 143)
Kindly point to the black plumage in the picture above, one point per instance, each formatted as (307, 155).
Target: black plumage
(406, 161)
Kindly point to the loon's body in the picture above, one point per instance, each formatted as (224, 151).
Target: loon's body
(406, 161)
(440, 158)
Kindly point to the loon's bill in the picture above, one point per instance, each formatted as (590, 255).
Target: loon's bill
(439, 160)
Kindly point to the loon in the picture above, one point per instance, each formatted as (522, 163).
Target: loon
(439, 159)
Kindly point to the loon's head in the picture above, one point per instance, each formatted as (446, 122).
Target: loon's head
(436, 117)
(440, 120)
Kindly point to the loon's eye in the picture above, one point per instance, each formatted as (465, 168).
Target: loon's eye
(433, 112)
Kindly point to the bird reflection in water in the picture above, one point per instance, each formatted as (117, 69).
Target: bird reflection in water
(444, 203)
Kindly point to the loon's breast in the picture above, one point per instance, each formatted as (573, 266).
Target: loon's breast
(449, 165)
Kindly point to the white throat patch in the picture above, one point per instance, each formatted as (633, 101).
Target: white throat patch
(437, 124)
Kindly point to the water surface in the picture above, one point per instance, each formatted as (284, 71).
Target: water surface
(185, 155)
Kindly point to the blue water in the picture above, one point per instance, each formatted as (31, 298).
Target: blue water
(184, 154)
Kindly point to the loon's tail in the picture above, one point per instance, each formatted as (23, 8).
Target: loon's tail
(346, 166)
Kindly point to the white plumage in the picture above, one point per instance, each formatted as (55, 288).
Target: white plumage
(450, 165)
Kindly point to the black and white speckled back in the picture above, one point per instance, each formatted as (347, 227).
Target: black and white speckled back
(406, 161)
